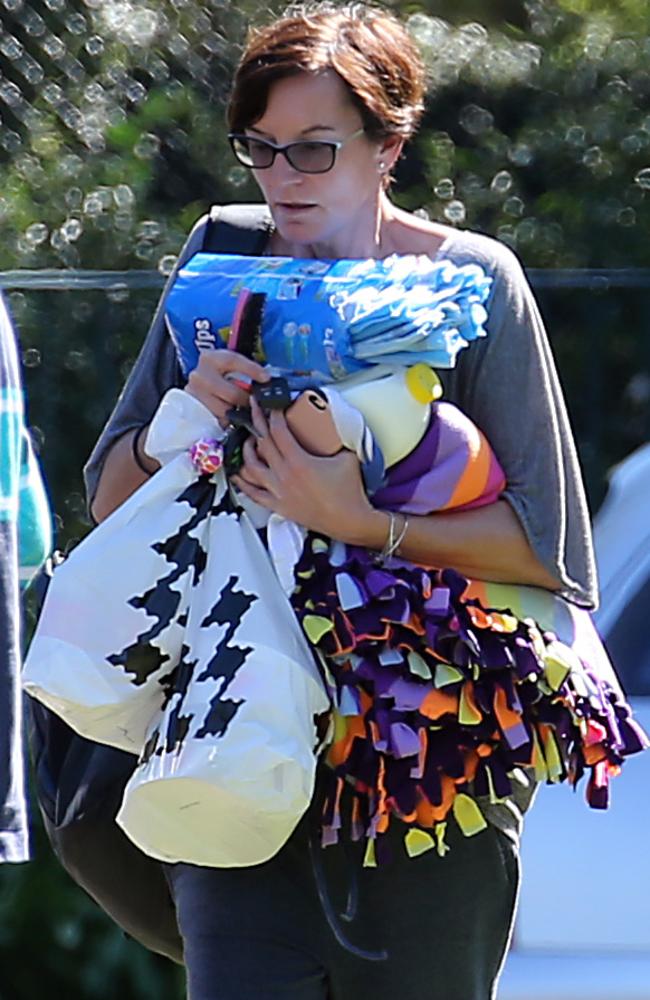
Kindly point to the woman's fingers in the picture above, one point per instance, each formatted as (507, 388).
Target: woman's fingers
(214, 381)
(253, 470)
(255, 479)
(256, 493)
(323, 494)
(223, 361)
(265, 442)
(259, 419)
(285, 442)
(215, 388)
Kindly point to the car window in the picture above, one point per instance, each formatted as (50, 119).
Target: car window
(628, 643)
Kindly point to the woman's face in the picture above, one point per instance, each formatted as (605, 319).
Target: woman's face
(324, 208)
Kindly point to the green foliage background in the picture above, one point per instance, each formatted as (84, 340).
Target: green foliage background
(112, 142)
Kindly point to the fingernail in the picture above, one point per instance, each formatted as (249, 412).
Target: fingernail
(245, 385)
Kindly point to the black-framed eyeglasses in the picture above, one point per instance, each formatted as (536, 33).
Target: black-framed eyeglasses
(309, 156)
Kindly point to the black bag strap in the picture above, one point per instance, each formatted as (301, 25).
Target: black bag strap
(242, 229)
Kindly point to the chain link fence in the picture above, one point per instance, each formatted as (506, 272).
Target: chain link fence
(73, 379)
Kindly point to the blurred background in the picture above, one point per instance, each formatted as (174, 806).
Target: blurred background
(113, 141)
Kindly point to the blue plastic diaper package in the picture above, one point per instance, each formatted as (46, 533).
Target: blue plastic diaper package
(330, 318)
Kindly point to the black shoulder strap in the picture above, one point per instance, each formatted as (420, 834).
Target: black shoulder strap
(243, 229)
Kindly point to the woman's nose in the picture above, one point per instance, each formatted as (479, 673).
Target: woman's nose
(283, 172)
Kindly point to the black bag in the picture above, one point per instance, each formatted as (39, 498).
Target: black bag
(79, 784)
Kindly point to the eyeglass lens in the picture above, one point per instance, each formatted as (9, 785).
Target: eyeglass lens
(308, 157)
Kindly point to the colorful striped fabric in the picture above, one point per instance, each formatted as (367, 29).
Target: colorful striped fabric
(452, 468)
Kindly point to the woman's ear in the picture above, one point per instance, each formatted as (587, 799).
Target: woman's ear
(388, 153)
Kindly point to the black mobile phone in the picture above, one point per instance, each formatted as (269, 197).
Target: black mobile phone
(274, 394)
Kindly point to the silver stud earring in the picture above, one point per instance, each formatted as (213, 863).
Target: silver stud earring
(382, 165)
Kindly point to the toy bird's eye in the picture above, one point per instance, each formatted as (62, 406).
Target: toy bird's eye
(317, 401)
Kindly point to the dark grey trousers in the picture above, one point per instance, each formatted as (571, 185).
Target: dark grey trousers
(425, 928)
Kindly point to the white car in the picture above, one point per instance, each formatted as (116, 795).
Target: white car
(583, 930)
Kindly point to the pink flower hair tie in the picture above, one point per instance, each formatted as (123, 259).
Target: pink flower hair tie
(207, 456)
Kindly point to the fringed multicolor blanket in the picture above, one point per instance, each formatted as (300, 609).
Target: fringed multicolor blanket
(446, 685)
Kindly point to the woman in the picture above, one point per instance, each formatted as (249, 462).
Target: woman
(322, 104)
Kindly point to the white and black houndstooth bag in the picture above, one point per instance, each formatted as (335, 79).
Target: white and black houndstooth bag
(166, 633)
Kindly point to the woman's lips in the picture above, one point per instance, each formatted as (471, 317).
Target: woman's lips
(295, 208)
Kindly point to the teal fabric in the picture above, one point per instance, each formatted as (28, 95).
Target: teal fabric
(34, 522)
(22, 496)
(11, 404)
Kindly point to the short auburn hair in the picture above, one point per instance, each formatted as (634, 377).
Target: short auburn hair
(369, 48)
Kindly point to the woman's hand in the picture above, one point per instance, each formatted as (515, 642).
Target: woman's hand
(210, 383)
(322, 494)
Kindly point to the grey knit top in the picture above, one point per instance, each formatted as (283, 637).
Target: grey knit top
(507, 383)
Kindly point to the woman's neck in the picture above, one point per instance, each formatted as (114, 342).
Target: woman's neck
(366, 236)
(390, 230)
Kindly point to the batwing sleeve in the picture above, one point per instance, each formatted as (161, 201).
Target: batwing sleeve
(508, 384)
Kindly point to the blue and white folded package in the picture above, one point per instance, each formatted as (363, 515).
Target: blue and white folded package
(331, 318)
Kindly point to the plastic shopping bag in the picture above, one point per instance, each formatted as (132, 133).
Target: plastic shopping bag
(228, 769)
(166, 633)
(110, 631)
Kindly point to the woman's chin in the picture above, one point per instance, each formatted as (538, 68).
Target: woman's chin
(298, 226)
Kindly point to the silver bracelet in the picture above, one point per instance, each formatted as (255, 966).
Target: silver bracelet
(402, 535)
(381, 556)
(393, 540)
